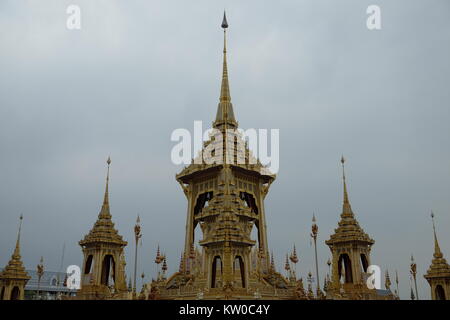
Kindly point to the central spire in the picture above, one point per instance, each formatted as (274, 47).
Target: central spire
(225, 88)
(225, 115)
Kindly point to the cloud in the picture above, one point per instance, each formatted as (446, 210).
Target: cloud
(139, 69)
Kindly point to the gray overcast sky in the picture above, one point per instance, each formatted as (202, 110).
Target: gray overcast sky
(139, 69)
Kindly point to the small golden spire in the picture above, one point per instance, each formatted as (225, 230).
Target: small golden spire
(164, 266)
(387, 281)
(437, 250)
(346, 207)
(17, 248)
(158, 256)
(294, 257)
(104, 213)
(106, 199)
(287, 267)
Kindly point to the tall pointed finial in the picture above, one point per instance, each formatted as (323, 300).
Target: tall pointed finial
(346, 208)
(225, 88)
(17, 249)
(437, 249)
(106, 199)
(225, 114)
(104, 213)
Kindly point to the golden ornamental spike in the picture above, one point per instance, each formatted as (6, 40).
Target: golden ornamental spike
(137, 236)
(413, 272)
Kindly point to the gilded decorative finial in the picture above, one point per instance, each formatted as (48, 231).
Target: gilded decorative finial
(164, 266)
(294, 257)
(437, 250)
(387, 281)
(17, 248)
(158, 256)
(137, 229)
(346, 208)
(40, 267)
(106, 197)
(413, 269)
(314, 228)
(287, 266)
(396, 282)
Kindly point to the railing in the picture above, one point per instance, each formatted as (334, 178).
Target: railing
(261, 293)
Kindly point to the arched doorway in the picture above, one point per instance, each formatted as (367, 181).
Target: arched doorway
(364, 262)
(108, 271)
(239, 264)
(88, 265)
(439, 292)
(216, 264)
(2, 294)
(346, 264)
(15, 293)
(249, 201)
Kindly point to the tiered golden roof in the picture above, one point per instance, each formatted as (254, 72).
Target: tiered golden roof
(439, 267)
(103, 230)
(348, 227)
(15, 269)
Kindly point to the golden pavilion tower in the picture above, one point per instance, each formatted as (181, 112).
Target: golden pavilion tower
(103, 271)
(14, 277)
(438, 275)
(350, 248)
(226, 201)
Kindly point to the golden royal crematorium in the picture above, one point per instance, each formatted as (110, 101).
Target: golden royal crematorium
(226, 200)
